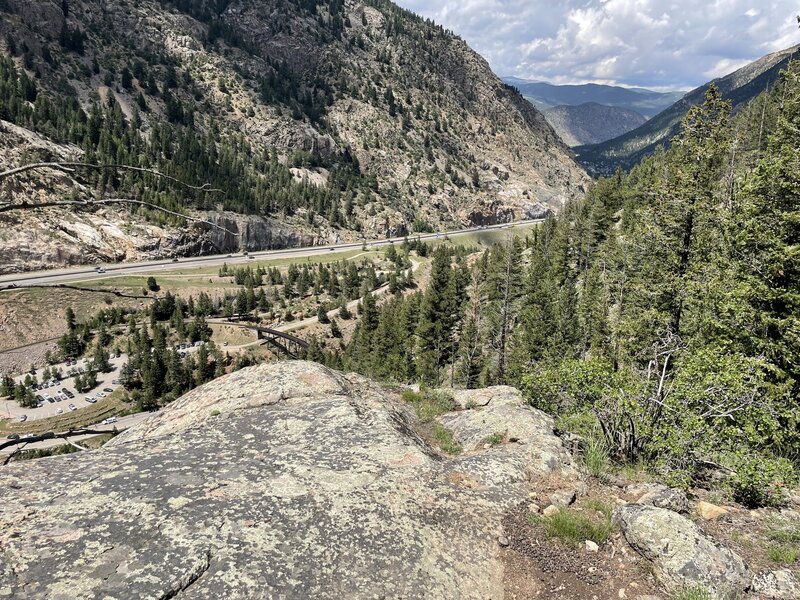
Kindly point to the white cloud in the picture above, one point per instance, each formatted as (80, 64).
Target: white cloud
(655, 43)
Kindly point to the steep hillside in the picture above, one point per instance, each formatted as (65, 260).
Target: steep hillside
(546, 95)
(591, 123)
(325, 120)
(739, 87)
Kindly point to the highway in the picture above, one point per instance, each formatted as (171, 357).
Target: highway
(88, 272)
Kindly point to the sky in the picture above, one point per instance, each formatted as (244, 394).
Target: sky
(658, 44)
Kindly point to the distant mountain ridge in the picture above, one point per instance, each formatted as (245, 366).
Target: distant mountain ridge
(591, 123)
(547, 95)
(738, 87)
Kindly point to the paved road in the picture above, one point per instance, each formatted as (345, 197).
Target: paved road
(86, 273)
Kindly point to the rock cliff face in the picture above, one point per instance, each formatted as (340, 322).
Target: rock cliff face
(279, 481)
(433, 136)
(49, 238)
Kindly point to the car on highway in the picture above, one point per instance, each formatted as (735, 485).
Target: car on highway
(13, 436)
(72, 407)
(109, 420)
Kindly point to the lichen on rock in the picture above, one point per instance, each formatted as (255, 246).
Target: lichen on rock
(282, 480)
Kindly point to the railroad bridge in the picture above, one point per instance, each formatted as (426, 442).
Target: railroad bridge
(285, 342)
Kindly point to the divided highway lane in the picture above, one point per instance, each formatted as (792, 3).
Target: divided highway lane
(86, 273)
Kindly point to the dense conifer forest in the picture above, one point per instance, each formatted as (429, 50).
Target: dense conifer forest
(661, 314)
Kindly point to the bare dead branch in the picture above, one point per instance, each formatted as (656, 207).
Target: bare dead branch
(78, 288)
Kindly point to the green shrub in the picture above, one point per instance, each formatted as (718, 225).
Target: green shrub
(429, 404)
(574, 527)
(496, 438)
(761, 481)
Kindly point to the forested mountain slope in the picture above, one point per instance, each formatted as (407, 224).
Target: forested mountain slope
(660, 315)
(315, 119)
(591, 123)
(739, 88)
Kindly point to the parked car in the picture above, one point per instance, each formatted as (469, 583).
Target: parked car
(90, 399)
(108, 390)
(101, 394)
(23, 418)
(39, 398)
(72, 407)
(60, 411)
(117, 382)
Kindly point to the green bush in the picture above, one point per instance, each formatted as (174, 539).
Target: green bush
(496, 438)
(429, 404)
(761, 481)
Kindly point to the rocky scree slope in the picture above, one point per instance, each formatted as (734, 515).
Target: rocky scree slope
(335, 117)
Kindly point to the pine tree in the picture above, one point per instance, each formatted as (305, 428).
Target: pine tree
(767, 242)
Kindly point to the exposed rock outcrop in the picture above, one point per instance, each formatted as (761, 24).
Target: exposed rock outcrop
(286, 480)
(501, 414)
(683, 556)
(660, 496)
(776, 585)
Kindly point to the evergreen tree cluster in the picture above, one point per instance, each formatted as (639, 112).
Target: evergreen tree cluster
(664, 308)
(251, 182)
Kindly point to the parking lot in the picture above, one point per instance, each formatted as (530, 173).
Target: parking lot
(59, 398)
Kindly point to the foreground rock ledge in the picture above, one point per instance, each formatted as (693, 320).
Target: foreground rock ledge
(286, 480)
